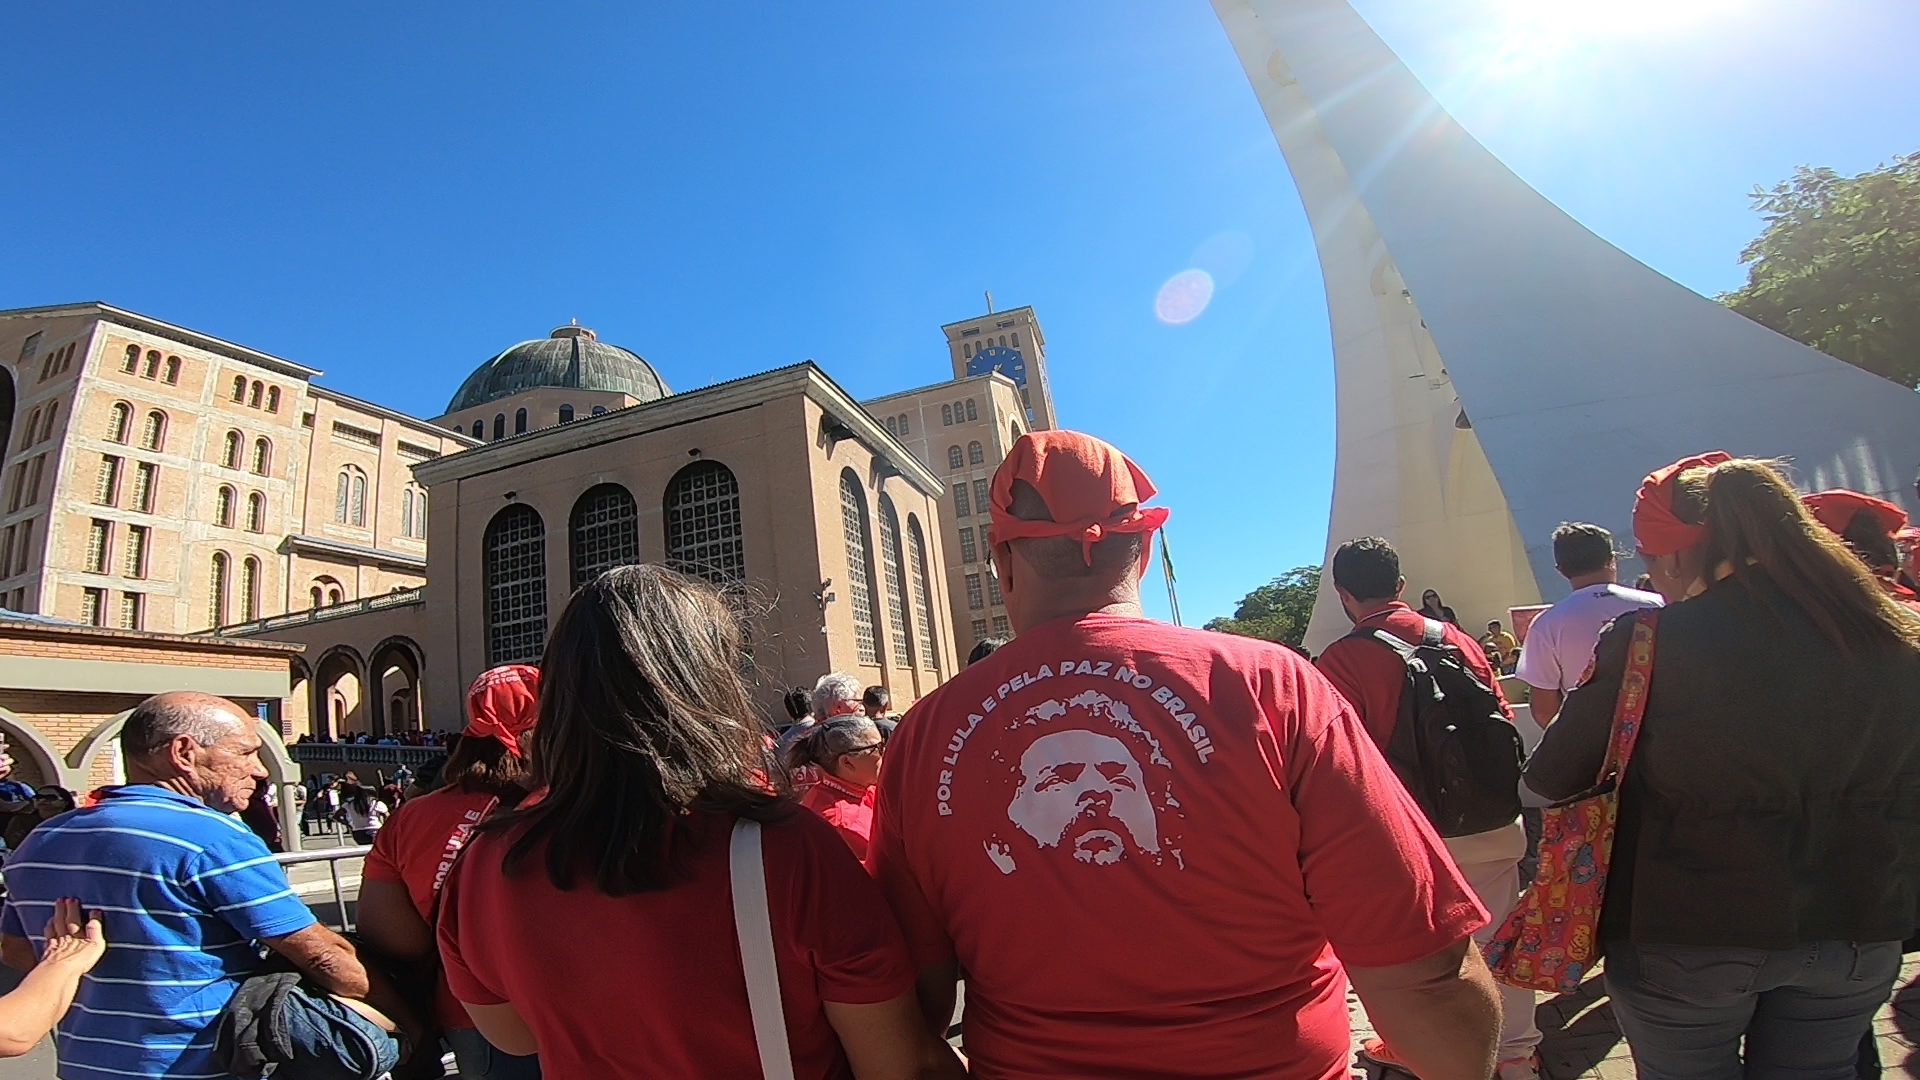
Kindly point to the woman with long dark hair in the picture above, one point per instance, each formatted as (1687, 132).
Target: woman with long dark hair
(1767, 855)
(1435, 608)
(400, 892)
(596, 924)
(362, 811)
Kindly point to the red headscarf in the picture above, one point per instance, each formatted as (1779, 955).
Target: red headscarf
(503, 703)
(1656, 529)
(1836, 509)
(1091, 489)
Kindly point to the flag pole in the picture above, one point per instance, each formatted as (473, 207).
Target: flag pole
(1166, 571)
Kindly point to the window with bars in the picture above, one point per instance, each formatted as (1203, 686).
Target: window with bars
(132, 360)
(893, 425)
(976, 454)
(172, 376)
(262, 457)
(153, 434)
(146, 477)
(975, 599)
(946, 415)
(853, 527)
(254, 399)
(922, 592)
(906, 426)
(136, 554)
(969, 551)
(704, 533)
(981, 500)
(249, 589)
(520, 421)
(93, 607)
(273, 399)
(256, 512)
(602, 532)
(152, 370)
(223, 507)
(973, 411)
(961, 505)
(99, 546)
(239, 388)
(133, 611)
(1000, 627)
(217, 589)
(118, 421)
(953, 458)
(231, 456)
(516, 581)
(106, 490)
(893, 564)
(350, 497)
(993, 590)
(979, 629)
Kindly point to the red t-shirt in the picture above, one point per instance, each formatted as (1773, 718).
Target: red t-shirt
(1151, 849)
(1371, 676)
(651, 984)
(419, 840)
(844, 808)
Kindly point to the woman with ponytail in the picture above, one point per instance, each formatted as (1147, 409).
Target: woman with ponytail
(1767, 857)
(845, 752)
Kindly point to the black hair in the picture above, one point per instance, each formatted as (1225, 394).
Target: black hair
(984, 648)
(876, 697)
(1367, 568)
(1581, 548)
(799, 703)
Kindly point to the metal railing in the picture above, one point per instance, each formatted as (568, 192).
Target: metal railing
(322, 753)
(332, 857)
(397, 598)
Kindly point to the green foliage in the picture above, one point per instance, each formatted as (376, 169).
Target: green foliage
(1276, 611)
(1838, 266)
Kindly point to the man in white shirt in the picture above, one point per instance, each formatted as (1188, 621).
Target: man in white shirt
(1559, 646)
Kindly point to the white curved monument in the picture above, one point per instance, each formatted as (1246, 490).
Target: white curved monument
(1500, 369)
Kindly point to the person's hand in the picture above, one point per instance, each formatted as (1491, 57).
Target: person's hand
(73, 940)
(6, 762)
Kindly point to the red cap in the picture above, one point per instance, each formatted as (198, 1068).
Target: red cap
(1656, 529)
(1091, 489)
(503, 703)
(1836, 509)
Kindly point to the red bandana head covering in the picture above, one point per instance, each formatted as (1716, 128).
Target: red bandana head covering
(503, 703)
(1091, 489)
(1656, 529)
(1836, 509)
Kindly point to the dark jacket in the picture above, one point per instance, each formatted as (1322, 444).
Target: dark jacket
(1774, 796)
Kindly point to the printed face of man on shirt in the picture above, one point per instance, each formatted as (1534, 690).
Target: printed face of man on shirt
(1085, 791)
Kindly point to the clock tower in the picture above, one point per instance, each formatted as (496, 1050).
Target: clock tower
(1009, 342)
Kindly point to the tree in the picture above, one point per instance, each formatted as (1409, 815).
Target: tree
(1276, 611)
(1838, 266)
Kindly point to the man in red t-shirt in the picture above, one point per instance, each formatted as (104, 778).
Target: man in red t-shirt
(1366, 575)
(1158, 851)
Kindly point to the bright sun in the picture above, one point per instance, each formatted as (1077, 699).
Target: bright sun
(1530, 38)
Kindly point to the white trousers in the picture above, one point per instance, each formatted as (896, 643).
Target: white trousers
(1496, 881)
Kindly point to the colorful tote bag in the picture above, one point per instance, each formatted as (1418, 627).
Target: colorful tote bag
(1552, 938)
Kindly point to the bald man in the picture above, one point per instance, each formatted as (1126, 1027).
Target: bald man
(188, 893)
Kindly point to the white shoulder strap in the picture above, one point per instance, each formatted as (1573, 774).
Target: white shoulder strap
(754, 926)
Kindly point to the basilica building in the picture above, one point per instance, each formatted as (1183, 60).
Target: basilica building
(161, 481)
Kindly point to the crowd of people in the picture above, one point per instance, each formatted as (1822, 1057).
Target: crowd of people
(395, 738)
(1149, 851)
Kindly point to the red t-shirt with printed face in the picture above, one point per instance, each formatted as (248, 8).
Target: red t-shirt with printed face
(651, 984)
(418, 840)
(1151, 849)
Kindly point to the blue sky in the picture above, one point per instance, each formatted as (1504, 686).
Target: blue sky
(392, 194)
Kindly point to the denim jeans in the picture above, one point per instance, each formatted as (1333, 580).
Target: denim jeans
(478, 1059)
(332, 1042)
(1684, 1008)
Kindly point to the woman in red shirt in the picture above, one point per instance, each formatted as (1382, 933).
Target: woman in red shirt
(846, 751)
(595, 925)
(410, 858)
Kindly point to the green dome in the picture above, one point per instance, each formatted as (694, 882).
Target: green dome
(570, 358)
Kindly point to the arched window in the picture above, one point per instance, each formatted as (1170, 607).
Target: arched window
(420, 513)
(1016, 339)
(231, 457)
(118, 421)
(406, 512)
(273, 399)
(256, 512)
(479, 429)
(603, 532)
(239, 388)
(316, 597)
(132, 361)
(966, 349)
(350, 497)
(357, 512)
(253, 399)
(599, 410)
(704, 536)
(853, 527)
(249, 589)
(893, 426)
(217, 589)
(499, 426)
(893, 565)
(516, 581)
(153, 435)
(953, 457)
(972, 412)
(173, 371)
(922, 592)
(223, 507)
(1014, 428)
(905, 428)
(519, 421)
(976, 454)
(946, 415)
(566, 414)
(262, 457)
(335, 596)
(152, 370)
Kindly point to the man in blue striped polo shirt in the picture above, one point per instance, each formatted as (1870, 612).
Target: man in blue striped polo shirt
(186, 889)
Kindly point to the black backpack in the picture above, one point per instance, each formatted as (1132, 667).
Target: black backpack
(1456, 752)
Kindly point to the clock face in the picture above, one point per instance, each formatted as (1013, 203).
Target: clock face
(999, 358)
